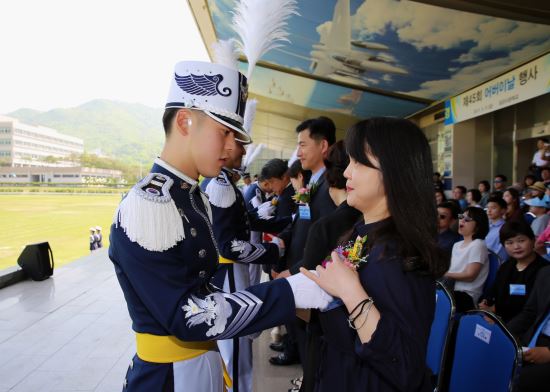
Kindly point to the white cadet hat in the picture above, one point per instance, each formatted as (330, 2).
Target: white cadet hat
(92, 228)
(219, 91)
(98, 228)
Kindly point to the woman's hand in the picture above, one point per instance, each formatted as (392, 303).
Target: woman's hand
(537, 355)
(337, 279)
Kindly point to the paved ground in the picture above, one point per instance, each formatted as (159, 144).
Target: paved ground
(72, 333)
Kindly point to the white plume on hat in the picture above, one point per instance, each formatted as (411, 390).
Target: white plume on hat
(261, 26)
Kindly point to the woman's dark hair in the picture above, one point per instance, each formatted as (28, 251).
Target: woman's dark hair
(404, 155)
(515, 228)
(486, 184)
(476, 194)
(296, 168)
(336, 162)
(274, 168)
(442, 194)
(482, 222)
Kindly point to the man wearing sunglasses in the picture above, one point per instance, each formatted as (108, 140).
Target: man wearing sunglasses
(447, 213)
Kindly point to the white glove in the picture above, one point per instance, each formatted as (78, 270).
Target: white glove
(255, 201)
(307, 293)
(266, 210)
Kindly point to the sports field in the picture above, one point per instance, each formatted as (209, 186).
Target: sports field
(62, 220)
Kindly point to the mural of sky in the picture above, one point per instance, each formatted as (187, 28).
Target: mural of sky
(399, 46)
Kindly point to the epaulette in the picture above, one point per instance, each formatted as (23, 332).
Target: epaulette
(149, 216)
(220, 192)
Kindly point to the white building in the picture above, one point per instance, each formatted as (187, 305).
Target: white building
(27, 145)
(58, 175)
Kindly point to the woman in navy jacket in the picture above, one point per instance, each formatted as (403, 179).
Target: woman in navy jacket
(375, 338)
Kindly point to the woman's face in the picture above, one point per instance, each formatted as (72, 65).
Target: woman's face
(365, 186)
(466, 225)
(481, 187)
(469, 197)
(508, 198)
(529, 181)
(298, 182)
(438, 198)
(519, 247)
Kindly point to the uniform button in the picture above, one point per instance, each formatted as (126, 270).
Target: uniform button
(202, 274)
(131, 364)
(180, 211)
(202, 253)
(125, 384)
(247, 232)
(193, 232)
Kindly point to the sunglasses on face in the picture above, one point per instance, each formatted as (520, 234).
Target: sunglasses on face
(465, 218)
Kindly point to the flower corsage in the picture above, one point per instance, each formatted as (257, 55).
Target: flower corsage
(352, 253)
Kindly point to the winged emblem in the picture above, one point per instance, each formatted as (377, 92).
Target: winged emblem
(213, 310)
(206, 85)
(244, 248)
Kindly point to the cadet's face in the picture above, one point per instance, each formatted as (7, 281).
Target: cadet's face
(236, 156)
(213, 144)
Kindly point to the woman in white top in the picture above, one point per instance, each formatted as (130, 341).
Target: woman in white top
(469, 260)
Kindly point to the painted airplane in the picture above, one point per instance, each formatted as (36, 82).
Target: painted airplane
(335, 57)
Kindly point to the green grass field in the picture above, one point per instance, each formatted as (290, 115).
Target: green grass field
(62, 220)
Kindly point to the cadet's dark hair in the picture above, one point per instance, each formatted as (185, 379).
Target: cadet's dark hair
(405, 159)
(319, 128)
(274, 168)
(514, 228)
(498, 200)
(482, 222)
(167, 118)
(336, 162)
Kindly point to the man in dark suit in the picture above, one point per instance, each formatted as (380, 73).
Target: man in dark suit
(532, 327)
(315, 136)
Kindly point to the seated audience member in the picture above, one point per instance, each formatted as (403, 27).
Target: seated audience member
(532, 327)
(447, 214)
(484, 187)
(473, 198)
(496, 209)
(438, 184)
(469, 260)
(528, 180)
(459, 192)
(499, 183)
(536, 190)
(513, 210)
(538, 207)
(545, 175)
(440, 197)
(516, 277)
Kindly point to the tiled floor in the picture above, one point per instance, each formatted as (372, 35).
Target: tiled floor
(72, 333)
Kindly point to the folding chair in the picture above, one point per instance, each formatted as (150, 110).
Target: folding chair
(440, 332)
(494, 264)
(486, 356)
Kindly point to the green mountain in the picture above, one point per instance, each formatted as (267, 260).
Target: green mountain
(130, 132)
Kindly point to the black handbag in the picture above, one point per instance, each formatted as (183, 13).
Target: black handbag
(36, 261)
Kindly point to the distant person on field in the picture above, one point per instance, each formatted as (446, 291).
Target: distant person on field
(93, 243)
(98, 237)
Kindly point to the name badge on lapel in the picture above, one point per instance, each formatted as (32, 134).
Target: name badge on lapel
(517, 289)
(304, 211)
